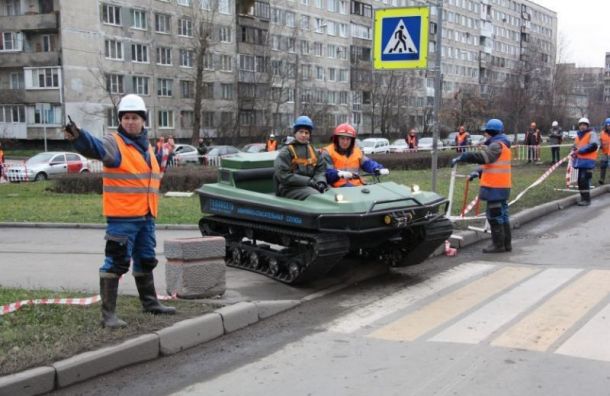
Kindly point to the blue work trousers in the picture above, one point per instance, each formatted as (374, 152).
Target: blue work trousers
(130, 241)
(497, 212)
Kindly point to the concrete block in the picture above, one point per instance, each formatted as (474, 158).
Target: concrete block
(189, 333)
(91, 364)
(194, 248)
(237, 316)
(468, 238)
(35, 381)
(530, 214)
(567, 202)
(270, 308)
(196, 279)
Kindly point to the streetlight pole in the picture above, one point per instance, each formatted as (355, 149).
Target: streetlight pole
(438, 85)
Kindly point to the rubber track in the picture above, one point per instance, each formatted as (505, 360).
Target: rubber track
(325, 250)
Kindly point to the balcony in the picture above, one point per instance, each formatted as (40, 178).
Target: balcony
(487, 29)
(26, 23)
(32, 96)
(30, 59)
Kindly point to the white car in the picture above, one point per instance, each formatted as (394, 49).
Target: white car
(477, 140)
(375, 146)
(425, 143)
(48, 165)
(399, 146)
(186, 154)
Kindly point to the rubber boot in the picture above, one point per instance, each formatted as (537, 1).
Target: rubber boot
(109, 288)
(148, 296)
(508, 240)
(585, 199)
(602, 176)
(497, 239)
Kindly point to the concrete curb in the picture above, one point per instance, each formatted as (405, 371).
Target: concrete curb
(186, 227)
(196, 331)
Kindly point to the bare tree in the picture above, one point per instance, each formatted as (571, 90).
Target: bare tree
(466, 107)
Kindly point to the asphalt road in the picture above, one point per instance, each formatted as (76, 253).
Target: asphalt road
(531, 322)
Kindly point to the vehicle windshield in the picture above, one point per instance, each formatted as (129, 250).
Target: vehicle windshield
(368, 143)
(425, 140)
(399, 142)
(40, 158)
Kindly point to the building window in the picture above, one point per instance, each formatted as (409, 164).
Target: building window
(185, 2)
(305, 22)
(319, 73)
(165, 119)
(11, 42)
(139, 53)
(185, 27)
(187, 119)
(112, 118)
(114, 84)
(208, 90)
(140, 85)
(225, 34)
(224, 7)
(205, 4)
(111, 15)
(162, 23)
(12, 114)
(208, 119)
(46, 43)
(17, 81)
(45, 113)
(47, 77)
(164, 87)
(186, 58)
(113, 49)
(226, 63)
(164, 56)
(187, 89)
(208, 61)
(138, 19)
(226, 91)
(13, 8)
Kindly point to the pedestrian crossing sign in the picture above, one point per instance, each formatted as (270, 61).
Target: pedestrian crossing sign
(401, 38)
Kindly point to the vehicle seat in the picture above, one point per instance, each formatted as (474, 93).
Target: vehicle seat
(259, 180)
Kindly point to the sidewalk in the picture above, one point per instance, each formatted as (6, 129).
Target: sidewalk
(42, 256)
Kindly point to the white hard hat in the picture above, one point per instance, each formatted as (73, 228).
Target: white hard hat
(584, 120)
(132, 104)
(555, 124)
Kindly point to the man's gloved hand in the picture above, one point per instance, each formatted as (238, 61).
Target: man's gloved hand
(321, 186)
(455, 160)
(382, 171)
(345, 174)
(71, 131)
(573, 154)
(473, 175)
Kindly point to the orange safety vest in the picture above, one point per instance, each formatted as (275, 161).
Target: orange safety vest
(412, 141)
(461, 137)
(605, 141)
(132, 189)
(498, 174)
(271, 145)
(345, 163)
(583, 142)
(296, 161)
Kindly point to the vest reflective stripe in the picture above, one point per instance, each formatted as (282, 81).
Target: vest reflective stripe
(580, 143)
(605, 142)
(345, 163)
(132, 189)
(498, 174)
(296, 161)
(271, 145)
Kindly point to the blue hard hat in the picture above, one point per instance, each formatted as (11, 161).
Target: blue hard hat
(607, 122)
(494, 125)
(302, 121)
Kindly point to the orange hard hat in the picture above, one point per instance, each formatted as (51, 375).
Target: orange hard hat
(345, 130)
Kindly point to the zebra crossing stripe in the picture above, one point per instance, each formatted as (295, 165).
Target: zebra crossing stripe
(452, 304)
(372, 312)
(480, 324)
(544, 326)
(591, 341)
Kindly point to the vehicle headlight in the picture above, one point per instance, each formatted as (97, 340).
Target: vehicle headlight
(415, 189)
(339, 197)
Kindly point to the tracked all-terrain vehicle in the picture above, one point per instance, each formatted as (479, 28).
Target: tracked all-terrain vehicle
(297, 241)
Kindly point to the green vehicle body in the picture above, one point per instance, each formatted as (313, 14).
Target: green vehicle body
(296, 241)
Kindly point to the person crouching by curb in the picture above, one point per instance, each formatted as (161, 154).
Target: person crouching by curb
(344, 160)
(604, 138)
(584, 156)
(131, 179)
(495, 173)
(299, 172)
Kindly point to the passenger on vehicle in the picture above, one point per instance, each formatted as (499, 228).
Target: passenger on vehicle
(299, 172)
(344, 160)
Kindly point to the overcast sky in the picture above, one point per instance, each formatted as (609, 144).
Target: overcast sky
(584, 27)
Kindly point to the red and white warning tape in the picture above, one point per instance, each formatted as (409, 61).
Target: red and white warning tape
(8, 308)
(540, 179)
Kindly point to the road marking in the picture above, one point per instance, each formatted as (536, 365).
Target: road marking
(543, 327)
(480, 324)
(591, 341)
(372, 312)
(453, 304)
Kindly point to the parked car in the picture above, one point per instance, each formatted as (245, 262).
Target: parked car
(254, 148)
(375, 146)
(477, 140)
(216, 152)
(399, 146)
(449, 141)
(48, 165)
(185, 154)
(425, 143)
(571, 135)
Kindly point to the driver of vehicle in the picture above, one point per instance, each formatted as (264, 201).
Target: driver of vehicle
(344, 159)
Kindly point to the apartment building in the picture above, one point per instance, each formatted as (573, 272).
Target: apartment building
(586, 91)
(265, 62)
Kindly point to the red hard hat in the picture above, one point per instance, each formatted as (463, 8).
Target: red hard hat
(345, 130)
